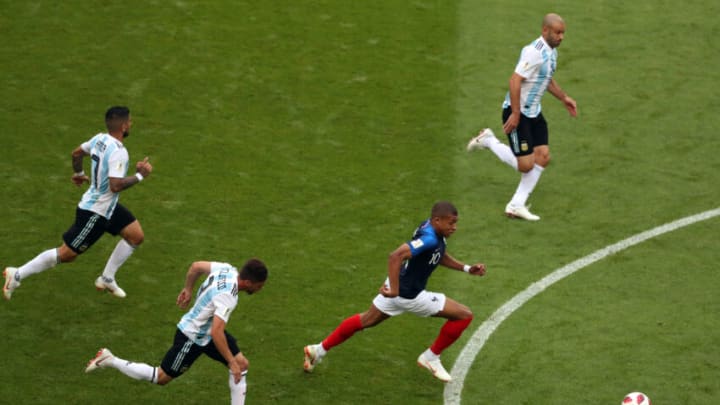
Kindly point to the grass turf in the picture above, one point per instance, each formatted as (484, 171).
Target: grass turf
(316, 136)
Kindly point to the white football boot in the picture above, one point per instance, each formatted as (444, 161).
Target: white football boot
(11, 282)
(312, 358)
(104, 283)
(100, 360)
(435, 367)
(521, 212)
(480, 141)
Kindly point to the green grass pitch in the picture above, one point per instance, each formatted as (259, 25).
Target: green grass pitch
(316, 136)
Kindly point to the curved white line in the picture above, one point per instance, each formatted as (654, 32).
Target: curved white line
(453, 390)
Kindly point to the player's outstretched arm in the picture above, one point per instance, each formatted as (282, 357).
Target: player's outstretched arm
(143, 169)
(477, 269)
(194, 272)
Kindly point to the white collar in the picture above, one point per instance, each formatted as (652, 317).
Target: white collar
(545, 42)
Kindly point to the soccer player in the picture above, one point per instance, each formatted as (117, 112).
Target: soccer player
(202, 329)
(409, 268)
(98, 211)
(524, 123)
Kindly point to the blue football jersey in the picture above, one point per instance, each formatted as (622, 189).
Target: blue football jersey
(427, 248)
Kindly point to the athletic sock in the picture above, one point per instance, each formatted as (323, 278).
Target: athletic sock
(428, 354)
(40, 263)
(503, 152)
(528, 181)
(347, 328)
(449, 333)
(122, 251)
(138, 371)
(238, 391)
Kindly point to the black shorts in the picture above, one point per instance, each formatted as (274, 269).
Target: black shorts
(529, 133)
(89, 227)
(184, 352)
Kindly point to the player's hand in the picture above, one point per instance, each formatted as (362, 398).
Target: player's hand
(571, 106)
(184, 298)
(79, 180)
(237, 367)
(242, 361)
(511, 123)
(477, 269)
(385, 291)
(144, 167)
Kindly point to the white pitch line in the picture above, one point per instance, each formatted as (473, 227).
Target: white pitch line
(453, 390)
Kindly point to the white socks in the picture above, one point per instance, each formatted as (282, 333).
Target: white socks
(528, 180)
(527, 185)
(49, 259)
(122, 251)
(138, 371)
(40, 263)
(430, 355)
(239, 390)
(144, 372)
(320, 350)
(502, 151)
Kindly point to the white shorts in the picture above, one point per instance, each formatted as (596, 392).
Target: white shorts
(427, 303)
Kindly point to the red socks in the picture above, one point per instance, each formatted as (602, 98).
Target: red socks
(449, 333)
(347, 328)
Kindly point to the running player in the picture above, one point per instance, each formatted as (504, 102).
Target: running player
(98, 211)
(409, 268)
(202, 329)
(522, 117)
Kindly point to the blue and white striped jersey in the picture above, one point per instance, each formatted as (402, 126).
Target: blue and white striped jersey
(537, 65)
(109, 159)
(217, 295)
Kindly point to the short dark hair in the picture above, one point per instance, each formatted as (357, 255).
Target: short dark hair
(443, 209)
(115, 116)
(254, 270)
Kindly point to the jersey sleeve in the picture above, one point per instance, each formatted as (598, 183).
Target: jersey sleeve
(217, 266)
(87, 146)
(423, 243)
(118, 163)
(224, 305)
(530, 61)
